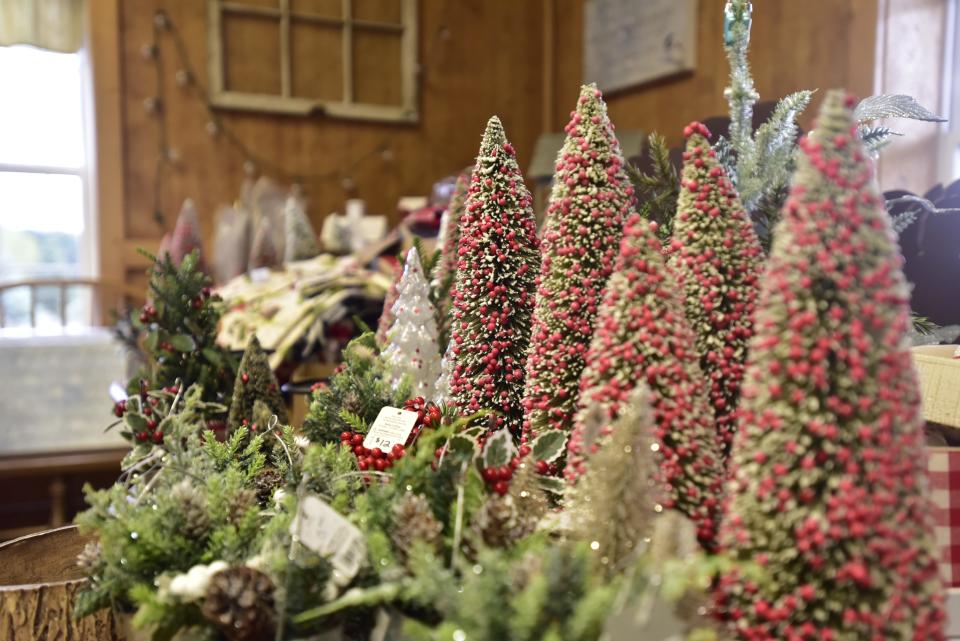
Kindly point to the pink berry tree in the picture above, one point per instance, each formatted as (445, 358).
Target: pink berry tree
(718, 260)
(828, 489)
(499, 254)
(642, 337)
(590, 198)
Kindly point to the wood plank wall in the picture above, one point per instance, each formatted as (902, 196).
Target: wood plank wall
(794, 45)
(479, 57)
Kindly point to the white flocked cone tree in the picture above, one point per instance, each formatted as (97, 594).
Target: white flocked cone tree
(412, 340)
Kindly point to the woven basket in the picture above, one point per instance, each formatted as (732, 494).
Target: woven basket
(939, 383)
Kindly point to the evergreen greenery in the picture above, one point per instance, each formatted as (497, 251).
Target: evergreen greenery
(255, 384)
(180, 331)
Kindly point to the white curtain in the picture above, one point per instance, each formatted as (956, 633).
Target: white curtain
(49, 24)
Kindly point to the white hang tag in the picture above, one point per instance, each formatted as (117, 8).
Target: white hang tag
(328, 533)
(392, 427)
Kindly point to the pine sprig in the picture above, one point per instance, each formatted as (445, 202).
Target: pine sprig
(657, 192)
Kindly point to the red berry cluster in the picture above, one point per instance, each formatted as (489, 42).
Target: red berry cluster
(371, 459)
(428, 415)
(148, 314)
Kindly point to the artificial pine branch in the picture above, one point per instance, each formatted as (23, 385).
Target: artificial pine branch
(657, 191)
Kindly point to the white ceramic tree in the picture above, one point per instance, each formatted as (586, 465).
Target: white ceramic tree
(412, 349)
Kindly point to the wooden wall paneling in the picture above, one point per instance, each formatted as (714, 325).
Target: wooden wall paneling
(106, 170)
(815, 44)
(478, 58)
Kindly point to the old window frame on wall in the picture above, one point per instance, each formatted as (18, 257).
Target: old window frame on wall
(285, 102)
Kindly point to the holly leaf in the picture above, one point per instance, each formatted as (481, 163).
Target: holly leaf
(549, 446)
(552, 484)
(151, 342)
(135, 422)
(499, 449)
(893, 106)
(461, 446)
(183, 342)
(213, 356)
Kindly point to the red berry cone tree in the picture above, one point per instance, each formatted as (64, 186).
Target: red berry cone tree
(828, 493)
(450, 234)
(499, 255)
(591, 197)
(718, 260)
(642, 336)
(255, 382)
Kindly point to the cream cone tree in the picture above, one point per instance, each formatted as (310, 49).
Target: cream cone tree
(499, 255)
(591, 197)
(718, 260)
(642, 336)
(828, 494)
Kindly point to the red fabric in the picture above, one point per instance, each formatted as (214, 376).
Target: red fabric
(944, 465)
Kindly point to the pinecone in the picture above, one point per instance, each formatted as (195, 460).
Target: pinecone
(239, 601)
(89, 558)
(193, 509)
(240, 503)
(500, 524)
(265, 484)
(413, 520)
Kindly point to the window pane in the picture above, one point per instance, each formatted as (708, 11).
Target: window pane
(41, 221)
(41, 113)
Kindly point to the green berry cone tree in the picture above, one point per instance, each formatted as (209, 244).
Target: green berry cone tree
(445, 271)
(301, 239)
(828, 488)
(642, 336)
(499, 254)
(255, 382)
(591, 197)
(179, 330)
(718, 261)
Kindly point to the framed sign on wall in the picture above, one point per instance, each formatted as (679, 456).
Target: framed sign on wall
(343, 58)
(631, 42)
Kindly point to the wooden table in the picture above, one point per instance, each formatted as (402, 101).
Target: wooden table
(45, 490)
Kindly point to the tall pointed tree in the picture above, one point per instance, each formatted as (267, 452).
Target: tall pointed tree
(828, 487)
(718, 260)
(499, 255)
(255, 382)
(642, 336)
(412, 351)
(590, 198)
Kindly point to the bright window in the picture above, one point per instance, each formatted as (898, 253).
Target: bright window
(45, 227)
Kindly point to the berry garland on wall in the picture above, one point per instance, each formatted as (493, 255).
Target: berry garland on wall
(499, 255)
(828, 467)
(591, 195)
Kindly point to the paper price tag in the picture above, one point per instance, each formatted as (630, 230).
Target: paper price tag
(392, 426)
(325, 531)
